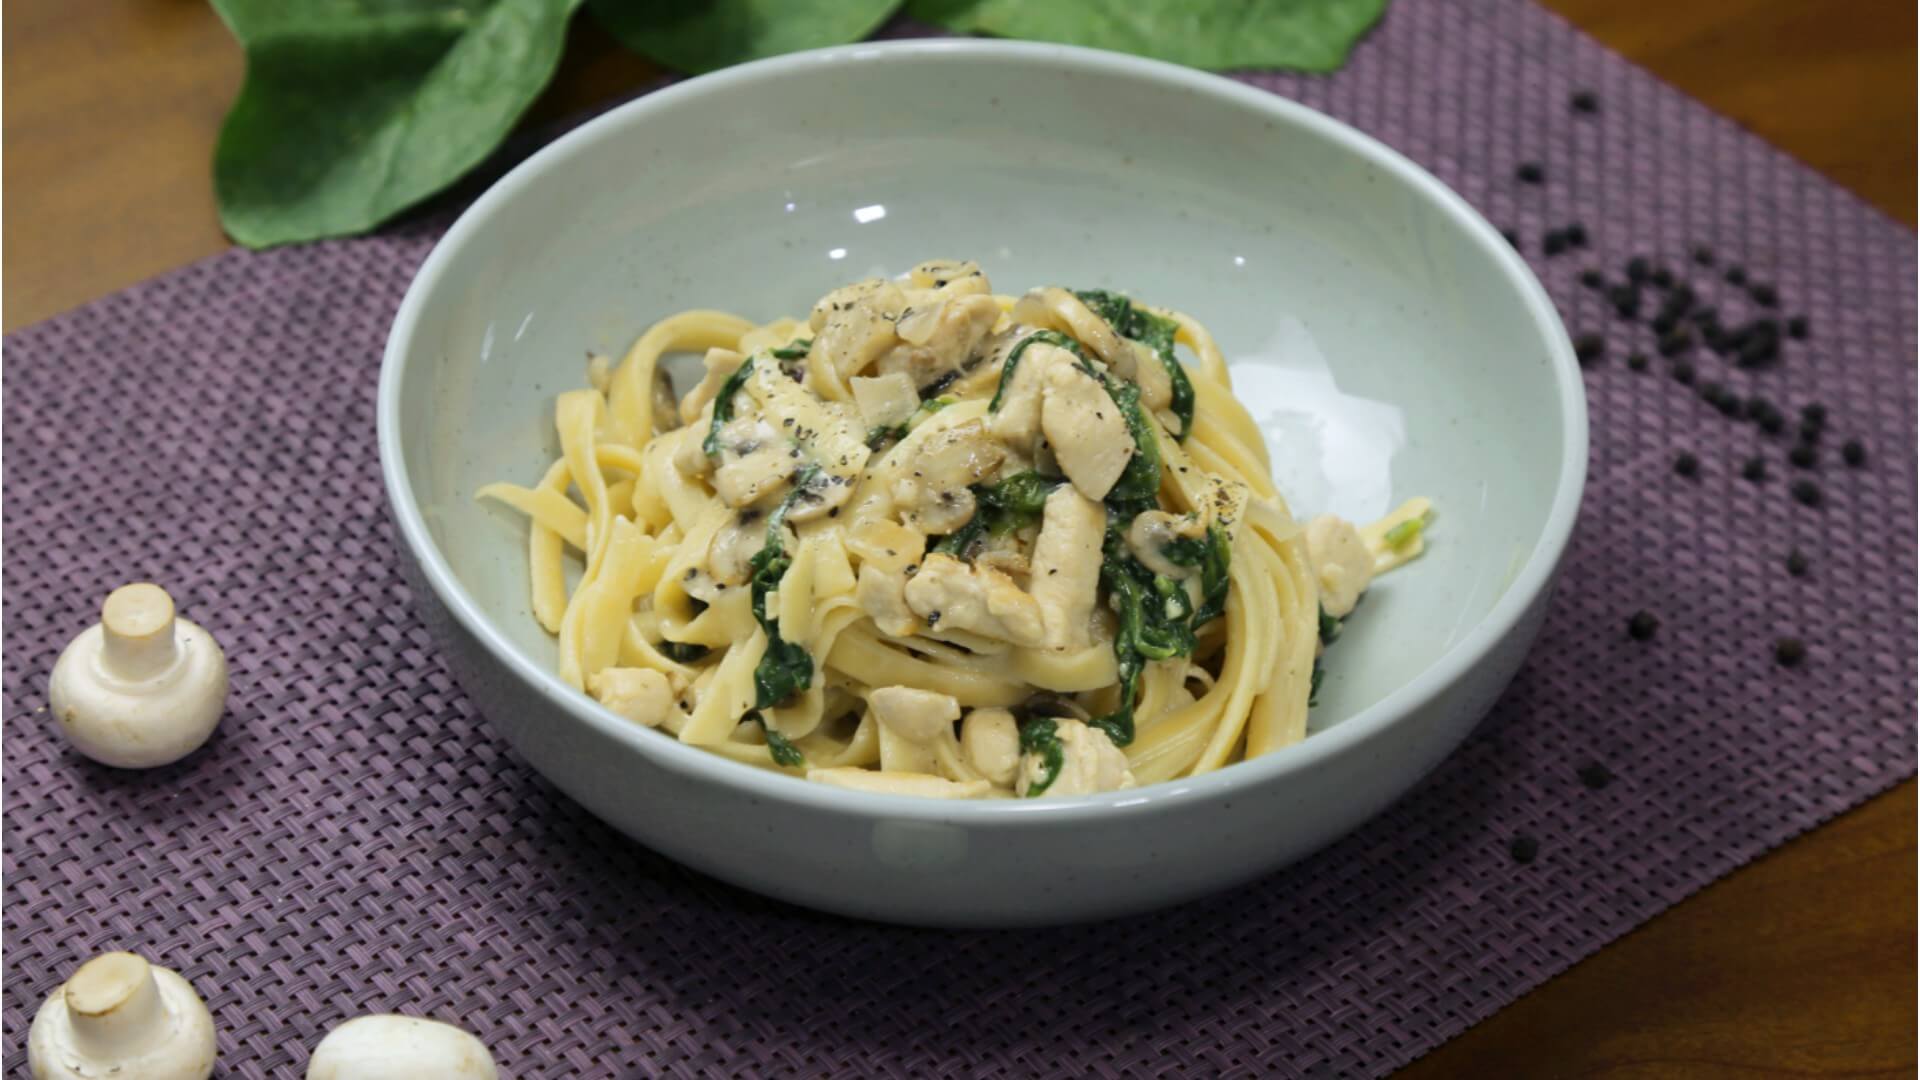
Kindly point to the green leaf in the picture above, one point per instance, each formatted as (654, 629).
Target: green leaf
(354, 110)
(1309, 35)
(702, 35)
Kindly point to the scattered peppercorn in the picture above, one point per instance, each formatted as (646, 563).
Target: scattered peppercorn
(1797, 327)
(1853, 453)
(1593, 279)
(1764, 295)
(1637, 268)
(1595, 775)
(1755, 469)
(1584, 101)
(1637, 361)
(1530, 172)
(1802, 456)
(1683, 371)
(1675, 342)
(1524, 848)
(1642, 625)
(1736, 276)
(1588, 347)
(1806, 492)
(1703, 256)
(1686, 465)
(1789, 651)
(1797, 563)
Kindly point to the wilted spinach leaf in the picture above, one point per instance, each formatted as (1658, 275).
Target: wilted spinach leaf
(353, 111)
(701, 35)
(1310, 35)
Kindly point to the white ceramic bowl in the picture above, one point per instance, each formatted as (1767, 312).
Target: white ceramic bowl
(1389, 340)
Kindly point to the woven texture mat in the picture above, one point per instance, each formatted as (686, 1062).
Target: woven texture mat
(356, 839)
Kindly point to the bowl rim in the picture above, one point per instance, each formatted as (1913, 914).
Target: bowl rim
(1535, 574)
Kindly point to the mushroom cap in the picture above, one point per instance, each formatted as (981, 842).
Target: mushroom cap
(139, 722)
(120, 1016)
(386, 1046)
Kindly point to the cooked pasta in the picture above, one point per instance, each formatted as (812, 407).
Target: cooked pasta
(939, 542)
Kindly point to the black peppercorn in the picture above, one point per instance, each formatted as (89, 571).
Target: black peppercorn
(1686, 464)
(1789, 651)
(1584, 101)
(1797, 563)
(1853, 453)
(1801, 456)
(1642, 625)
(1530, 172)
(1806, 493)
(1755, 469)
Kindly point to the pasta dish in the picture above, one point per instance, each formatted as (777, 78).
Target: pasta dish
(936, 541)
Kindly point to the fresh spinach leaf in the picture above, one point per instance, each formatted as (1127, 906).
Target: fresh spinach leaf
(1313, 688)
(1329, 628)
(1041, 735)
(785, 754)
(785, 668)
(1213, 555)
(352, 112)
(1139, 485)
(702, 35)
(1003, 507)
(723, 406)
(1156, 333)
(1307, 35)
(1044, 337)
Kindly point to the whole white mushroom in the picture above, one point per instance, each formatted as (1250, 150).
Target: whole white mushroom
(141, 688)
(391, 1047)
(120, 1016)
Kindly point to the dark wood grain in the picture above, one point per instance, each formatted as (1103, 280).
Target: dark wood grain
(1802, 964)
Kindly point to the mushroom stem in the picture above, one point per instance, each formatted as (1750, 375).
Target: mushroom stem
(139, 639)
(115, 1007)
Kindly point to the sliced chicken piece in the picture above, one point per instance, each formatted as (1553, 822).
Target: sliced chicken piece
(1054, 308)
(932, 490)
(1066, 566)
(918, 716)
(981, 600)
(885, 400)
(920, 785)
(1085, 429)
(990, 740)
(886, 544)
(1090, 763)
(829, 434)
(853, 326)
(641, 695)
(1153, 530)
(1150, 375)
(1016, 421)
(882, 594)
(755, 461)
(1342, 563)
(734, 545)
(939, 340)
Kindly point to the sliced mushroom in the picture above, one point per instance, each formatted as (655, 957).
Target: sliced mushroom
(885, 400)
(1342, 563)
(1066, 566)
(1054, 308)
(734, 545)
(932, 491)
(1153, 530)
(1085, 428)
(981, 600)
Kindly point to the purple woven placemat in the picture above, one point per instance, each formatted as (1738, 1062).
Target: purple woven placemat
(356, 839)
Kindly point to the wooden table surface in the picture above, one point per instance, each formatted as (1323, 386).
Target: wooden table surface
(1801, 964)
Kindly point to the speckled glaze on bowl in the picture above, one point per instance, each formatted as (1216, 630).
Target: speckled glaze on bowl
(1388, 340)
